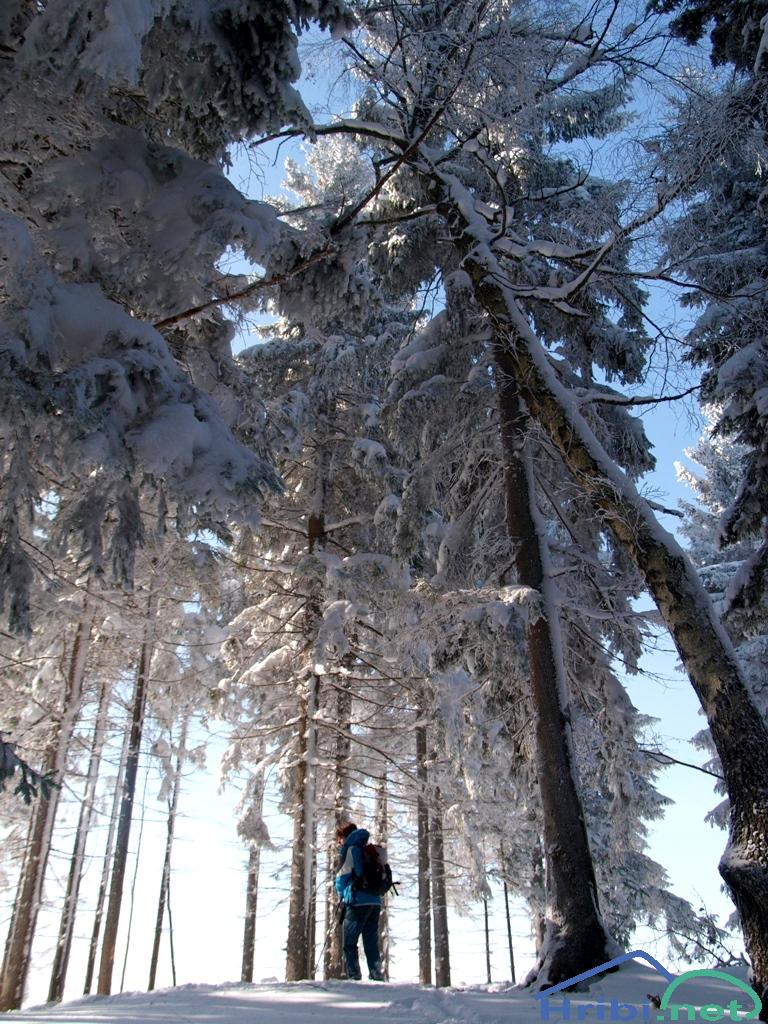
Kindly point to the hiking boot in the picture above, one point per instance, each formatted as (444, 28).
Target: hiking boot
(376, 975)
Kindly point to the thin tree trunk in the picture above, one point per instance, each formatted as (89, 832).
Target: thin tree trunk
(487, 941)
(132, 897)
(171, 945)
(166, 876)
(252, 892)
(509, 934)
(66, 926)
(381, 825)
(251, 906)
(300, 951)
(312, 906)
(422, 822)
(30, 888)
(577, 939)
(333, 963)
(106, 862)
(439, 899)
(112, 922)
(299, 963)
(738, 730)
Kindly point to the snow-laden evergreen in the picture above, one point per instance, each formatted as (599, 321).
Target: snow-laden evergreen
(116, 213)
(715, 481)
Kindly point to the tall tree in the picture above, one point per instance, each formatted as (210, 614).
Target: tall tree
(97, 306)
(537, 291)
(29, 892)
(423, 853)
(125, 817)
(77, 862)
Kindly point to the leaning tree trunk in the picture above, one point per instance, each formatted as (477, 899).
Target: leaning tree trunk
(30, 888)
(510, 944)
(439, 898)
(101, 896)
(69, 910)
(333, 962)
(112, 922)
(738, 730)
(252, 891)
(422, 825)
(165, 879)
(577, 939)
(299, 963)
(381, 826)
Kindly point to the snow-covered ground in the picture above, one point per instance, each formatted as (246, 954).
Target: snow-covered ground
(342, 1002)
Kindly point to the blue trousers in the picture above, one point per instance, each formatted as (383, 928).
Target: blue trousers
(361, 920)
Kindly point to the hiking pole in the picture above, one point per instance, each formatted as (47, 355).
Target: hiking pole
(339, 914)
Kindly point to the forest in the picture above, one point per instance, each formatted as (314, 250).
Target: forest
(343, 486)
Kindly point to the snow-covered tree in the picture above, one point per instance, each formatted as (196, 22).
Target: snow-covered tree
(466, 146)
(114, 214)
(721, 567)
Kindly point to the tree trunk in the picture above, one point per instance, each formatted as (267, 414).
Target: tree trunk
(509, 935)
(381, 826)
(30, 888)
(165, 880)
(107, 859)
(300, 951)
(422, 821)
(299, 964)
(333, 962)
(69, 910)
(576, 939)
(312, 905)
(738, 731)
(487, 941)
(111, 925)
(538, 900)
(251, 905)
(252, 893)
(439, 899)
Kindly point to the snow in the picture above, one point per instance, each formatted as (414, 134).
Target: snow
(342, 1002)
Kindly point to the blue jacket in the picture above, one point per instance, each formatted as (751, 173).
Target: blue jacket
(351, 868)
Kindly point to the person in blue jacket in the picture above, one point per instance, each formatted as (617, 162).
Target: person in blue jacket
(361, 909)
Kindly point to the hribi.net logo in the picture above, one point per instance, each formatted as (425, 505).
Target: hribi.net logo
(555, 1003)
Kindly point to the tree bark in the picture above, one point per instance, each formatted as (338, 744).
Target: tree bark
(513, 977)
(165, 879)
(738, 731)
(381, 826)
(576, 936)
(422, 821)
(538, 900)
(69, 910)
(439, 898)
(30, 887)
(106, 861)
(112, 922)
(251, 905)
(299, 964)
(333, 962)
(252, 896)
(487, 941)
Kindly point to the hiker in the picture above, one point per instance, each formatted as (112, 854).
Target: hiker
(361, 906)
